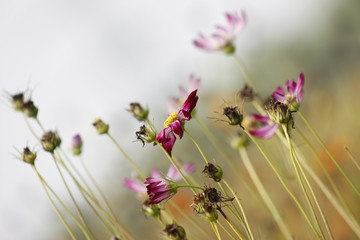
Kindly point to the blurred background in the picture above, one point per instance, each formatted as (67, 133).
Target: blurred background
(80, 60)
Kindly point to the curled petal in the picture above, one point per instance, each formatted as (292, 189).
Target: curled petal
(176, 126)
(167, 139)
(265, 132)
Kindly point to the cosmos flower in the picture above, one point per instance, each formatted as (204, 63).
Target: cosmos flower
(267, 128)
(174, 124)
(160, 189)
(139, 187)
(293, 94)
(222, 39)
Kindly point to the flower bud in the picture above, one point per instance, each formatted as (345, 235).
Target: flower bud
(28, 156)
(49, 141)
(234, 115)
(152, 210)
(138, 111)
(214, 172)
(18, 101)
(210, 212)
(239, 141)
(100, 126)
(30, 109)
(76, 144)
(175, 232)
(229, 49)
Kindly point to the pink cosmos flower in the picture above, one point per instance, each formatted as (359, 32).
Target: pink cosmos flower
(175, 103)
(160, 189)
(139, 187)
(267, 128)
(224, 36)
(174, 124)
(293, 94)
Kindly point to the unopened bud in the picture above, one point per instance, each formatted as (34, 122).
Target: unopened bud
(214, 172)
(152, 210)
(49, 141)
(247, 93)
(28, 156)
(100, 126)
(76, 144)
(138, 111)
(175, 232)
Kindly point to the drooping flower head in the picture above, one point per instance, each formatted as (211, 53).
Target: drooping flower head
(293, 94)
(174, 124)
(139, 187)
(160, 189)
(222, 39)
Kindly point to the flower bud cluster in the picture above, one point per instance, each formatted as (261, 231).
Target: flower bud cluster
(26, 106)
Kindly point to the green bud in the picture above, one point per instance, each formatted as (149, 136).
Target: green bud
(214, 172)
(100, 126)
(239, 141)
(175, 232)
(138, 111)
(152, 210)
(30, 109)
(28, 156)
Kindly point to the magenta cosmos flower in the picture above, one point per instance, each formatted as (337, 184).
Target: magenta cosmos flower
(222, 39)
(293, 94)
(139, 187)
(174, 124)
(267, 127)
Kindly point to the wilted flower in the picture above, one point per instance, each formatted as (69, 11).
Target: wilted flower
(278, 112)
(234, 116)
(174, 124)
(247, 93)
(293, 94)
(17, 101)
(137, 186)
(214, 172)
(175, 232)
(145, 135)
(50, 140)
(222, 39)
(76, 144)
(30, 109)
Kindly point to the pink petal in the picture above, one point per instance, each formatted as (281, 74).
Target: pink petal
(134, 185)
(156, 173)
(261, 118)
(265, 132)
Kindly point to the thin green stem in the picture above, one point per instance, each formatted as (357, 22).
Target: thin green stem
(130, 160)
(246, 223)
(86, 228)
(216, 230)
(263, 193)
(227, 232)
(57, 210)
(282, 181)
(352, 158)
(329, 153)
(300, 176)
(197, 145)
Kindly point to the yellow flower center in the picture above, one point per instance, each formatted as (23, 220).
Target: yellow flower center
(171, 118)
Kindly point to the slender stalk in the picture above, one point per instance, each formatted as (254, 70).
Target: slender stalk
(246, 223)
(198, 147)
(263, 193)
(244, 71)
(300, 177)
(216, 230)
(329, 153)
(57, 210)
(227, 232)
(87, 232)
(283, 182)
(352, 158)
(130, 160)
